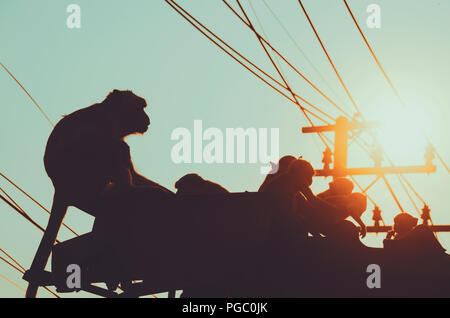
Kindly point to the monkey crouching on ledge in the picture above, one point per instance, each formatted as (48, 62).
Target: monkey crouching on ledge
(86, 155)
(90, 165)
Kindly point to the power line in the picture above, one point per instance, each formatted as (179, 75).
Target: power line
(34, 200)
(299, 49)
(12, 265)
(408, 194)
(14, 260)
(19, 210)
(31, 97)
(281, 69)
(277, 69)
(187, 16)
(386, 76)
(329, 58)
(175, 6)
(286, 61)
(373, 53)
(20, 270)
(393, 194)
(10, 281)
(362, 190)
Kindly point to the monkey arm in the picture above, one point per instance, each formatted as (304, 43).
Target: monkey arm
(131, 177)
(141, 181)
(317, 202)
(358, 220)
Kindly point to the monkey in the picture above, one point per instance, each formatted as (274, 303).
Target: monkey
(284, 187)
(86, 155)
(90, 166)
(298, 177)
(281, 167)
(339, 186)
(403, 224)
(354, 205)
(192, 183)
(322, 215)
(328, 212)
(286, 190)
(407, 236)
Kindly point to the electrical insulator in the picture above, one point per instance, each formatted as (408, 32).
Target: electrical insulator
(426, 214)
(429, 154)
(327, 158)
(377, 154)
(376, 217)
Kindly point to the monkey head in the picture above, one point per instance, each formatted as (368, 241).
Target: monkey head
(127, 111)
(404, 222)
(357, 203)
(342, 186)
(302, 172)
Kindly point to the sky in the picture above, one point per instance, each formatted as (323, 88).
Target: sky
(147, 47)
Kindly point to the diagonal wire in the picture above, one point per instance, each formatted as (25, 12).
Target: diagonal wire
(23, 272)
(31, 97)
(19, 210)
(284, 58)
(11, 258)
(281, 70)
(188, 16)
(300, 50)
(393, 194)
(10, 281)
(277, 69)
(34, 200)
(329, 58)
(387, 77)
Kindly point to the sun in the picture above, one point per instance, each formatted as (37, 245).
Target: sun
(403, 133)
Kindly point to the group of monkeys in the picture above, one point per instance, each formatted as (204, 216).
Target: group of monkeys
(322, 214)
(290, 186)
(90, 163)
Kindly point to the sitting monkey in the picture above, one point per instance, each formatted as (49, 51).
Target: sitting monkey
(286, 189)
(339, 186)
(281, 167)
(297, 178)
(408, 236)
(403, 224)
(86, 156)
(338, 208)
(90, 166)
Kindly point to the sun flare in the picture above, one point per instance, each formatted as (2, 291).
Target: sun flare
(402, 134)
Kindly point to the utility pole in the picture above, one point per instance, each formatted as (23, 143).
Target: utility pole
(341, 130)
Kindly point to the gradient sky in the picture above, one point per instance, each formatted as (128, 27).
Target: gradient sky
(147, 47)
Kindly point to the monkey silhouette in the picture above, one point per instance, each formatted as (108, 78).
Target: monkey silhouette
(86, 156)
(339, 186)
(408, 237)
(278, 169)
(90, 165)
(192, 183)
(284, 189)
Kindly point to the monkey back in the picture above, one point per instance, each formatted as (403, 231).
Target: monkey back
(81, 157)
